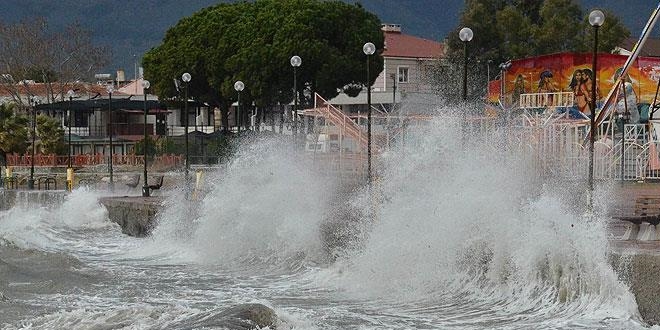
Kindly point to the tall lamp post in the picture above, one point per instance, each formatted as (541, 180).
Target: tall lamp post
(393, 76)
(238, 86)
(145, 143)
(296, 61)
(596, 19)
(34, 135)
(110, 89)
(465, 35)
(70, 94)
(69, 169)
(186, 79)
(368, 49)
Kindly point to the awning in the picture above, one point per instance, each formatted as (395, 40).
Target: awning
(95, 104)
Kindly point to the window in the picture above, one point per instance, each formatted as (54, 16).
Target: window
(403, 74)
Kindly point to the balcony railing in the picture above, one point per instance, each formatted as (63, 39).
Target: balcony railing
(547, 100)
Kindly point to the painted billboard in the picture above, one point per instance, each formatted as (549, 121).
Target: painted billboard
(572, 72)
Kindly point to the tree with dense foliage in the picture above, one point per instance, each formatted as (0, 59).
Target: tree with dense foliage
(50, 136)
(151, 147)
(509, 29)
(13, 130)
(253, 42)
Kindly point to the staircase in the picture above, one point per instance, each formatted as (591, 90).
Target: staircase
(346, 125)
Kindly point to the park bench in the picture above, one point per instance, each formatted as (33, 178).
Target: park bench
(645, 219)
(134, 181)
(159, 183)
(151, 187)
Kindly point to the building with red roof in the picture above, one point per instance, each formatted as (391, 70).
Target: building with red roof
(408, 62)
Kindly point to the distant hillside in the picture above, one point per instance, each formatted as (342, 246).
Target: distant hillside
(131, 27)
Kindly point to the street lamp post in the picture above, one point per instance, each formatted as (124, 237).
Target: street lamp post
(70, 93)
(186, 79)
(145, 144)
(465, 35)
(34, 135)
(296, 61)
(110, 89)
(69, 170)
(393, 76)
(596, 19)
(368, 49)
(238, 86)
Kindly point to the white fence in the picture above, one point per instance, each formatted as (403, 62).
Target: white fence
(562, 149)
(546, 100)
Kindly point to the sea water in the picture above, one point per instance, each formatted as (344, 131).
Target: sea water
(455, 233)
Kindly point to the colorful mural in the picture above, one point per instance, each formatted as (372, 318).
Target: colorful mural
(571, 72)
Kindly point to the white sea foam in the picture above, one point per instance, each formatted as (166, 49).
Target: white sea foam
(266, 207)
(49, 228)
(458, 223)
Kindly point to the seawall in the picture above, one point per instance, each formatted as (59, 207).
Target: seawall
(135, 214)
(640, 269)
(40, 198)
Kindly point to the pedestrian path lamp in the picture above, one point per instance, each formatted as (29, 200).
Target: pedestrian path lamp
(69, 170)
(296, 61)
(368, 49)
(186, 79)
(70, 94)
(238, 86)
(110, 89)
(145, 143)
(596, 19)
(465, 35)
(33, 104)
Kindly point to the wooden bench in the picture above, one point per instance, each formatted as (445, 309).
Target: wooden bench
(646, 214)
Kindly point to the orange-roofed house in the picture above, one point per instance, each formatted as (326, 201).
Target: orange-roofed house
(408, 61)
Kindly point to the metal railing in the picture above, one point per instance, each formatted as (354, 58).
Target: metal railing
(546, 100)
(40, 160)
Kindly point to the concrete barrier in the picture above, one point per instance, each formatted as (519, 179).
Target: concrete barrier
(640, 270)
(39, 198)
(135, 214)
